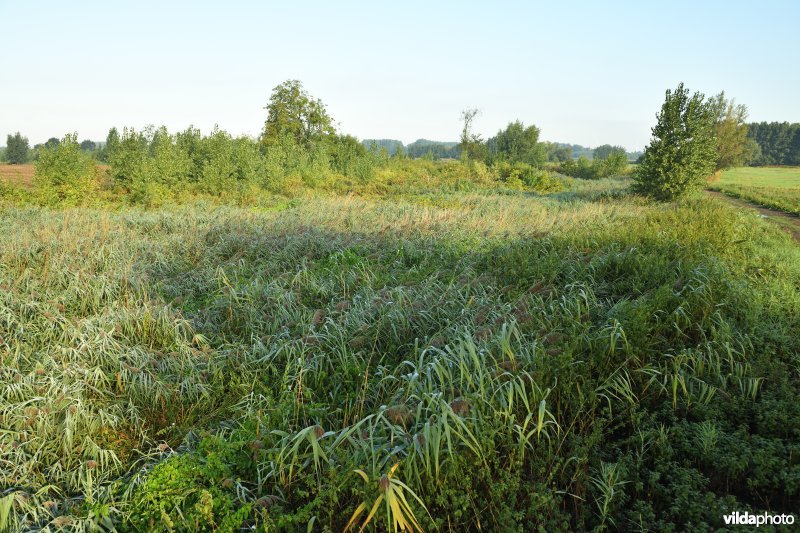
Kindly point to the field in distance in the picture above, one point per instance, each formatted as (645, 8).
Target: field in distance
(776, 187)
(17, 174)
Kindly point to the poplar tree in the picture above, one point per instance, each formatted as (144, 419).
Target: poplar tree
(17, 148)
(682, 151)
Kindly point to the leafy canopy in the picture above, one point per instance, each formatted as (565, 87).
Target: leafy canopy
(734, 148)
(682, 151)
(64, 173)
(17, 148)
(517, 143)
(295, 114)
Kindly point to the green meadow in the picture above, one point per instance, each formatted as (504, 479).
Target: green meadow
(775, 187)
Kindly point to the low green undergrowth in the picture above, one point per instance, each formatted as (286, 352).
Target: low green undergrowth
(453, 360)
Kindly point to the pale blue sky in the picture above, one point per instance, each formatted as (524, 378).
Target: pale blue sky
(584, 72)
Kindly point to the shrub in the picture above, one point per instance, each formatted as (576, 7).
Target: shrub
(613, 165)
(522, 175)
(127, 156)
(65, 175)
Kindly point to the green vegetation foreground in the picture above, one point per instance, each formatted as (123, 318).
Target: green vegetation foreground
(483, 360)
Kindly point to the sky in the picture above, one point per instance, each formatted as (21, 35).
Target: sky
(586, 73)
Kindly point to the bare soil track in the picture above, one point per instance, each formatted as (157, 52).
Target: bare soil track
(787, 221)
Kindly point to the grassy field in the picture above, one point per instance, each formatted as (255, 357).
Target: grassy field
(494, 360)
(776, 187)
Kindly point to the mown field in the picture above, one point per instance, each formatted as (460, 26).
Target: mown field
(776, 187)
(493, 360)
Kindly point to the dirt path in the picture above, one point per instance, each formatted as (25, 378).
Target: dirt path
(787, 221)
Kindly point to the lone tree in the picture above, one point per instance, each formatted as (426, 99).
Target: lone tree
(518, 143)
(88, 146)
(683, 149)
(295, 114)
(17, 149)
(470, 144)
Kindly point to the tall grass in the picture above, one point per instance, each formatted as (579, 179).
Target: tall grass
(454, 360)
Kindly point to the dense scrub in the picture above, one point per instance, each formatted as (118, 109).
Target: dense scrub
(493, 360)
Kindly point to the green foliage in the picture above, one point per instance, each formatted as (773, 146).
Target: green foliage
(351, 158)
(195, 491)
(585, 360)
(733, 147)
(295, 114)
(160, 174)
(17, 148)
(471, 146)
(558, 152)
(778, 143)
(126, 155)
(614, 164)
(518, 144)
(682, 152)
(522, 175)
(606, 150)
(392, 146)
(65, 175)
(88, 146)
(436, 150)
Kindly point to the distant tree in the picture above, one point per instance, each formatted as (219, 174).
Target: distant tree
(558, 152)
(391, 145)
(17, 148)
(52, 142)
(682, 152)
(295, 114)
(88, 146)
(730, 130)
(612, 164)
(605, 150)
(438, 150)
(518, 144)
(470, 143)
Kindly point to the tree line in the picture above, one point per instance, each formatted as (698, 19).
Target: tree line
(434, 150)
(778, 143)
(18, 150)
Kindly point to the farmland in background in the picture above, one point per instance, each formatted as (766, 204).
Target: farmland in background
(776, 187)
